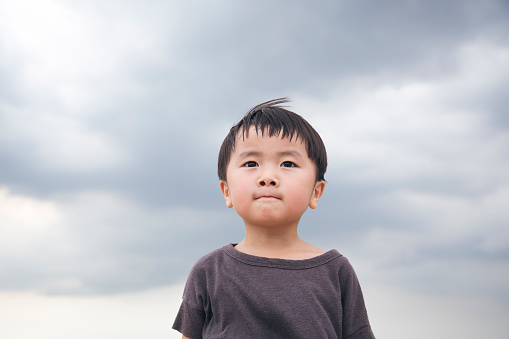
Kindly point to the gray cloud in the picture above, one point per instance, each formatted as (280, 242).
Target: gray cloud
(140, 117)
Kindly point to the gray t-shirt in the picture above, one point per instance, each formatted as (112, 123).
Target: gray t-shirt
(230, 294)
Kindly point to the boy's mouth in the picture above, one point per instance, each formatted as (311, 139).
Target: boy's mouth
(266, 197)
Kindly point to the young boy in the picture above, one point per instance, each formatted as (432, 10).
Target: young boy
(272, 284)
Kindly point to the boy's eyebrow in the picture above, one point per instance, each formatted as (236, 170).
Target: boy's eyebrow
(290, 153)
(249, 154)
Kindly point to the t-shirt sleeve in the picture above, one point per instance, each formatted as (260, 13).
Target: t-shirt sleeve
(189, 321)
(355, 317)
(192, 314)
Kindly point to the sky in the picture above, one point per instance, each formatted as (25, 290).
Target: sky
(111, 118)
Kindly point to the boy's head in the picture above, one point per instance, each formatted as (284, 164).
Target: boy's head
(273, 119)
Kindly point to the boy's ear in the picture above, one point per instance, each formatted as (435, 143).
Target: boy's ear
(317, 193)
(226, 192)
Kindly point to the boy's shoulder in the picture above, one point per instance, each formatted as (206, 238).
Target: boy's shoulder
(211, 259)
(211, 255)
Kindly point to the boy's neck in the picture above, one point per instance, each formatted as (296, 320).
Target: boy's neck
(282, 244)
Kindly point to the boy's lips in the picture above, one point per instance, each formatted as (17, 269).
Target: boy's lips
(267, 196)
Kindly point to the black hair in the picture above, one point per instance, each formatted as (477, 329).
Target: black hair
(270, 117)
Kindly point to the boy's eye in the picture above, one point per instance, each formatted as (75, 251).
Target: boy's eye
(250, 164)
(288, 164)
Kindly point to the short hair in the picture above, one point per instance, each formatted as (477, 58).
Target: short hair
(270, 117)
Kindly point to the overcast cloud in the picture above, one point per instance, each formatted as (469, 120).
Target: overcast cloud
(112, 114)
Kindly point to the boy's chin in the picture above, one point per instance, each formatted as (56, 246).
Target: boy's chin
(270, 222)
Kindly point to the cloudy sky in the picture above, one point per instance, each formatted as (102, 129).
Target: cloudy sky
(112, 114)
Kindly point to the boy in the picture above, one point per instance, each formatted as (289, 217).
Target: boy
(272, 284)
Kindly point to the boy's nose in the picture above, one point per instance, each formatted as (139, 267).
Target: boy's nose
(266, 181)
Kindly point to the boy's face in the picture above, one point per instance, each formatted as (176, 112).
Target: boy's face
(270, 181)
